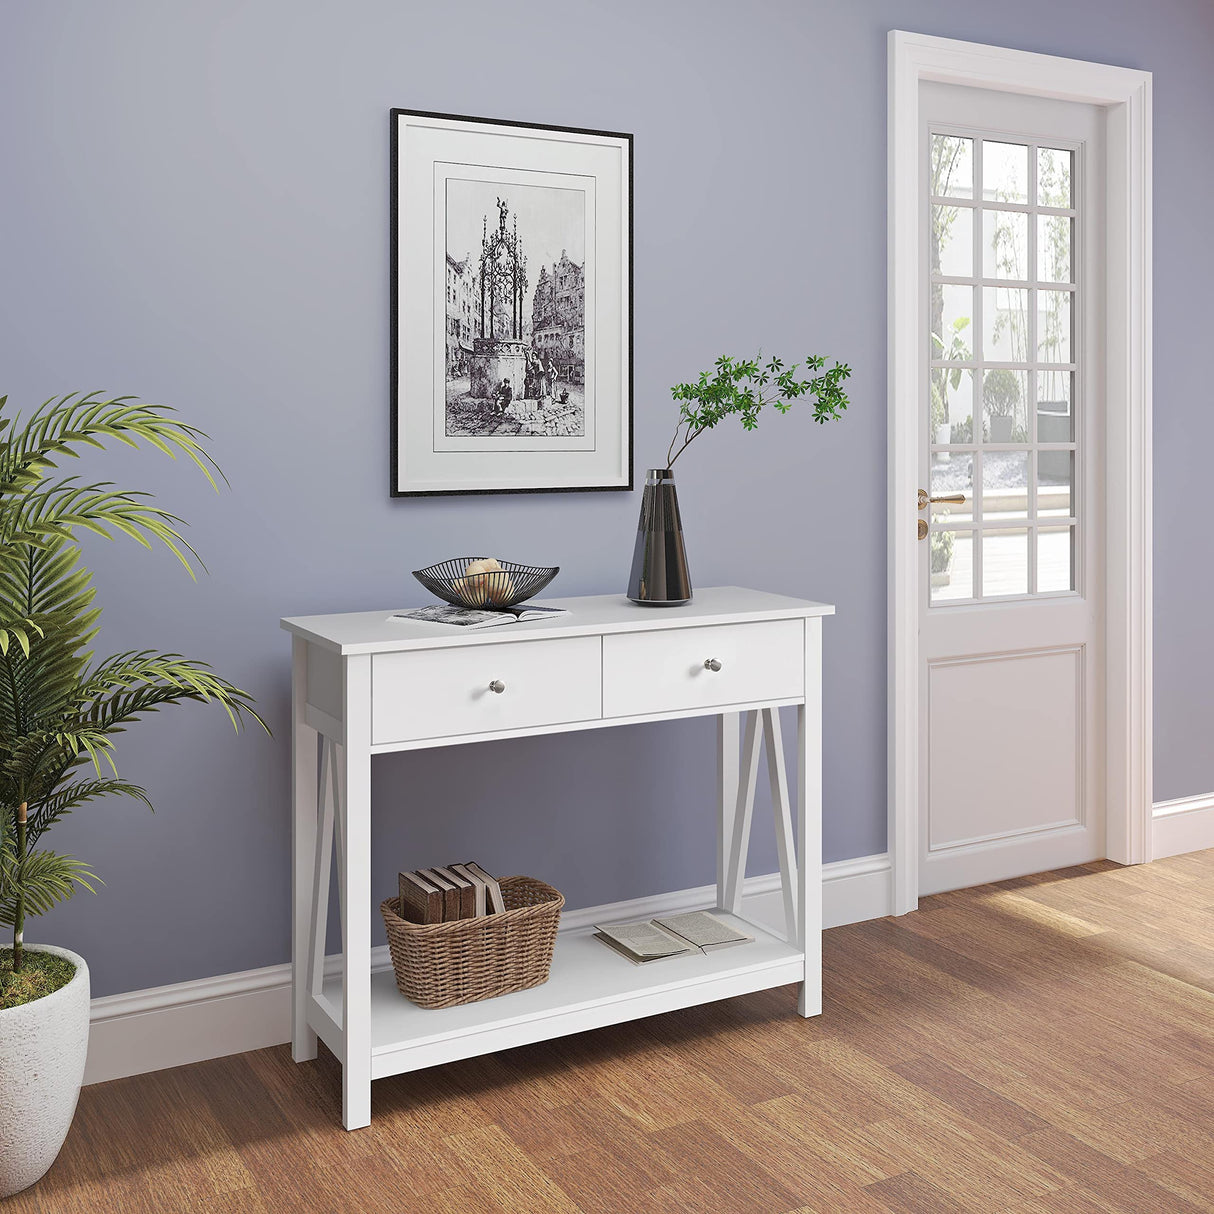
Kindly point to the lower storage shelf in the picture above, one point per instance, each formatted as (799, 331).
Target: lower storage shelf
(590, 986)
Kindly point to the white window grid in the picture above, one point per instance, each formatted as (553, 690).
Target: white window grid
(976, 526)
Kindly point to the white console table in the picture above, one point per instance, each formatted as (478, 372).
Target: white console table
(364, 684)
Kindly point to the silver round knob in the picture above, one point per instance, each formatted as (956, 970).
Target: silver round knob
(712, 664)
(498, 686)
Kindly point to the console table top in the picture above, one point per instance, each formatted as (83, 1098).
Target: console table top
(594, 615)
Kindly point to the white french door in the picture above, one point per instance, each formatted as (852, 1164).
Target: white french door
(1012, 449)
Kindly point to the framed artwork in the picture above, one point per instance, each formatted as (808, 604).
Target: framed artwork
(511, 307)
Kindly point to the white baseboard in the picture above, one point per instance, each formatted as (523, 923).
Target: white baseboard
(854, 891)
(212, 1017)
(166, 1026)
(1183, 825)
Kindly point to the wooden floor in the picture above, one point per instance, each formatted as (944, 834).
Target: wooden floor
(1040, 1045)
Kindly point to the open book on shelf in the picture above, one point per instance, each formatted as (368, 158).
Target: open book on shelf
(474, 617)
(656, 939)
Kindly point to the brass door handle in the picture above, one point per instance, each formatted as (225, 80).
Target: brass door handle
(926, 500)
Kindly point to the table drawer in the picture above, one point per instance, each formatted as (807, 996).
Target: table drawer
(665, 671)
(439, 693)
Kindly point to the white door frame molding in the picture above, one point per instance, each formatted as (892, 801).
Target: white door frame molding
(1125, 94)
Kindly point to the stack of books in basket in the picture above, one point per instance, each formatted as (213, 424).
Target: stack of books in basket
(448, 892)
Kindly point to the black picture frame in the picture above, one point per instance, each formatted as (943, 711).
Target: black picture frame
(627, 406)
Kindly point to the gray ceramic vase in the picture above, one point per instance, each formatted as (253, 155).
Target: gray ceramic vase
(659, 562)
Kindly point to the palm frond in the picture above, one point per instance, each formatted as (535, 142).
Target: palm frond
(43, 879)
(57, 510)
(68, 797)
(32, 765)
(17, 632)
(60, 427)
(50, 590)
(91, 707)
(118, 687)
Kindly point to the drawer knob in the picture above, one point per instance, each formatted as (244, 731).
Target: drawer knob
(498, 686)
(712, 664)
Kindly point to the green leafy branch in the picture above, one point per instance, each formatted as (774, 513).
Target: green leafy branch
(743, 387)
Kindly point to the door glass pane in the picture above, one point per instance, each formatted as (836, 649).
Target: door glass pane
(952, 310)
(952, 167)
(1005, 245)
(1055, 417)
(1055, 559)
(1005, 485)
(953, 241)
(1005, 324)
(1054, 177)
(1054, 248)
(952, 472)
(1005, 172)
(1005, 397)
(1054, 326)
(952, 390)
(1002, 377)
(1055, 483)
(951, 559)
(1005, 562)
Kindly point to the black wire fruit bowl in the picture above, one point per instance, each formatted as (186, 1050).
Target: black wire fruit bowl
(472, 581)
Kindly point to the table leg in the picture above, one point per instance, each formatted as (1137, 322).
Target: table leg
(777, 778)
(728, 728)
(355, 808)
(303, 850)
(809, 822)
(318, 934)
(748, 774)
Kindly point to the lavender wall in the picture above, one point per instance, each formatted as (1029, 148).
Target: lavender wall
(193, 208)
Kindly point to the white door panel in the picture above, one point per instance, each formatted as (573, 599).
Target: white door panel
(1026, 764)
(1011, 626)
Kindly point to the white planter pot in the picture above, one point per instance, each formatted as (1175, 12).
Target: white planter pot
(1001, 429)
(42, 1051)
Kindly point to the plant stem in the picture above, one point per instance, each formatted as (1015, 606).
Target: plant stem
(690, 435)
(19, 917)
(670, 450)
(693, 434)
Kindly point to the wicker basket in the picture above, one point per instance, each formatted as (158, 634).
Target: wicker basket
(446, 964)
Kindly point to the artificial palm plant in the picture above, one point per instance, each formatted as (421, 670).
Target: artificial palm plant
(60, 707)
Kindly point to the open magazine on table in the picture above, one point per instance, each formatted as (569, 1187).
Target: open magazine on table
(475, 617)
